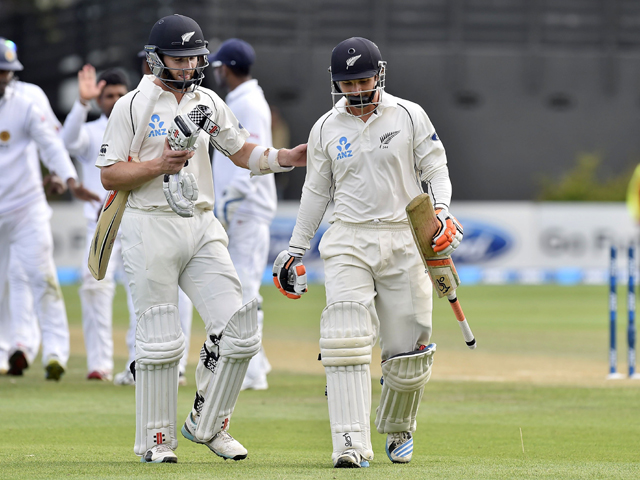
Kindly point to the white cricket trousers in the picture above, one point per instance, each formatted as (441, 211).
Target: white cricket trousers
(26, 233)
(162, 250)
(249, 239)
(25, 331)
(378, 265)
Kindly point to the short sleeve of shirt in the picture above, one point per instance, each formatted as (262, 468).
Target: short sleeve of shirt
(118, 135)
(231, 135)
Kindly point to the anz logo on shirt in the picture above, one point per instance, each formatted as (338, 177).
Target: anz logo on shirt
(343, 148)
(156, 127)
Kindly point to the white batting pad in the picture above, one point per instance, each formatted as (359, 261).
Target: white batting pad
(159, 347)
(405, 376)
(346, 340)
(223, 364)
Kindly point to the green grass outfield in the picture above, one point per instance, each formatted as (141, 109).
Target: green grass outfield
(539, 368)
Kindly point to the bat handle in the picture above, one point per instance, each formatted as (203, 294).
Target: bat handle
(462, 321)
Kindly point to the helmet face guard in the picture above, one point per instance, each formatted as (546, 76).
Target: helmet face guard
(364, 99)
(179, 37)
(163, 73)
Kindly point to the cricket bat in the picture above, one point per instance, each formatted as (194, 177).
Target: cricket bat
(441, 270)
(106, 232)
(113, 208)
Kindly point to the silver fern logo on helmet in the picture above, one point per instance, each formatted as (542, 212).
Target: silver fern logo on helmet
(187, 36)
(351, 61)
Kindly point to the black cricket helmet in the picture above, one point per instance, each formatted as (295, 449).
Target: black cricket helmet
(176, 36)
(9, 56)
(354, 59)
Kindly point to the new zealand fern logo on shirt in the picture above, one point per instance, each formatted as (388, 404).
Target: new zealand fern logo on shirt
(156, 127)
(343, 148)
(386, 138)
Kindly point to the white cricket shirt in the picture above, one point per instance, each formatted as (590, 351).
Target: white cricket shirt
(21, 122)
(248, 104)
(35, 93)
(371, 170)
(83, 140)
(126, 116)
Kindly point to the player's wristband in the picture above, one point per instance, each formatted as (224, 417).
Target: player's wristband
(264, 160)
(296, 251)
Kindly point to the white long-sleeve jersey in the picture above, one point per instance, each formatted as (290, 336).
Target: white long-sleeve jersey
(83, 140)
(21, 122)
(372, 169)
(248, 104)
(125, 118)
(35, 93)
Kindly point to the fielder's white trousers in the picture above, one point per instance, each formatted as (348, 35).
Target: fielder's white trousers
(25, 332)
(378, 264)
(26, 233)
(162, 250)
(249, 239)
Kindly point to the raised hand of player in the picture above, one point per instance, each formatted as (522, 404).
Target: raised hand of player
(172, 161)
(295, 157)
(450, 234)
(87, 85)
(290, 275)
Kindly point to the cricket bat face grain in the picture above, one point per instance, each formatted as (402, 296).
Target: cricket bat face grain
(106, 232)
(424, 225)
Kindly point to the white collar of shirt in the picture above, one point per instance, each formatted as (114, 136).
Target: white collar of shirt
(147, 85)
(242, 89)
(387, 101)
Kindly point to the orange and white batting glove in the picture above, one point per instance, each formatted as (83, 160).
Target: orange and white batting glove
(289, 274)
(449, 236)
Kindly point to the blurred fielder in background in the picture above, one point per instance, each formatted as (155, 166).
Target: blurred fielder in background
(369, 154)
(245, 205)
(24, 334)
(83, 141)
(25, 231)
(171, 238)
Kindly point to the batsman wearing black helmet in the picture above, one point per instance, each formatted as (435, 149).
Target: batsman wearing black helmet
(156, 146)
(369, 155)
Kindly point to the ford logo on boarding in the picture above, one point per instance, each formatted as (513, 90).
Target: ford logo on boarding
(481, 242)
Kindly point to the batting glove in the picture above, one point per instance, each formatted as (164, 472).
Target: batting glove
(181, 191)
(450, 234)
(229, 203)
(289, 275)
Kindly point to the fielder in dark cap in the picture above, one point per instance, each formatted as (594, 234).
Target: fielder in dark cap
(245, 205)
(233, 58)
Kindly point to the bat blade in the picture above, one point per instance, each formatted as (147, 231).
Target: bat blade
(106, 232)
(424, 225)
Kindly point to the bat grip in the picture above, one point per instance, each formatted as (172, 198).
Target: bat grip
(462, 321)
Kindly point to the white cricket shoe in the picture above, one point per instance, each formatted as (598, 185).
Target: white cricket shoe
(399, 447)
(258, 383)
(124, 378)
(350, 458)
(159, 454)
(222, 443)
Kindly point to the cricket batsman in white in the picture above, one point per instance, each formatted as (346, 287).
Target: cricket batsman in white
(170, 237)
(370, 154)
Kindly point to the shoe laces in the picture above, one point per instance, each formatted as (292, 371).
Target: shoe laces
(224, 436)
(162, 448)
(399, 438)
